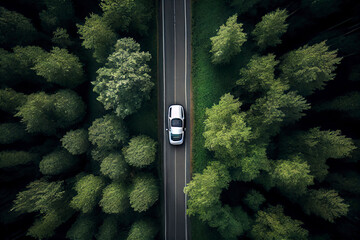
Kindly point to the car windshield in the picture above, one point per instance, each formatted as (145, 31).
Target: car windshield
(175, 137)
(176, 122)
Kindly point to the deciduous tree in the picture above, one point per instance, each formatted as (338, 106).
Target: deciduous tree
(144, 193)
(140, 152)
(114, 166)
(76, 141)
(142, 230)
(115, 198)
(61, 38)
(253, 200)
(57, 162)
(11, 100)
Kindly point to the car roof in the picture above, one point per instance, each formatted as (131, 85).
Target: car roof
(175, 111)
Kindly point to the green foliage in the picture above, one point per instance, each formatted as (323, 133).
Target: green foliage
(270, 29)
(44, 113)
(326, 204)
(114, 166)
(11, 132)
(88, 190)
(40, 196)
(15, 29)
(140, 152)
(107, 132)
(308, 68)
(253, 200)
(349, 103)
(76, 141)
(109, 229)
(258, 76)
(228, 41)
(98, 36)
(25, 59)
(243, 6)
(60, 67)
(98, 154)
(144, 193)
(14, 158)
(11, 100)
(316, 147)
(115, 198)
(204, 190)
(57, 162)
(277, 108)
(292, 176)
(61, 38)
(124, 83)
(273, 224)
(142, 230)
(57, 13)
(83, 228)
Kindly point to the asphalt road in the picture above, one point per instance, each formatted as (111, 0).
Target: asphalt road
(175, 89)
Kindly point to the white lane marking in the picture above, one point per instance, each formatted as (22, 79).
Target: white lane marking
(175, 103)
(186, 231)
(164, 109)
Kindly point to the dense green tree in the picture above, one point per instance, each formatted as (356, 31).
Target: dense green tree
(308, 68)
(88, 190)
(83, 228)
(12, 132)
(98, 36)
(11, 100)
(14, 158)
(76, 141)
(144, 193)
(115, 198)
(258, 76)
(348, 103)
(114, 166)
(243, 6)
(270, 29)
(124, 83)
(204, 191)
(108, 229)
(57, 162)
(60, 67)
(44, 113)
(316, 146)
(142, 230)
(57, 13)
(107, 132)
(15, 29)
(140, 152)
(276, 109)
(228, 41)
(61, 38)
(253, 200)
(326, 204)
(98, 153)
(39, 196)
(292, 176)
(6, 66)
(273, 224)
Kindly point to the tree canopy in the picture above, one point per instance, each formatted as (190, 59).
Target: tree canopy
(140, 152)
(57, 162)
(124, 83)
(114, 166)
(83, 228)
(142, 230)
(144, 193)
(115, 198)
(76, 141)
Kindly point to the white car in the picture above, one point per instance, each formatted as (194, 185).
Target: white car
(176, 124)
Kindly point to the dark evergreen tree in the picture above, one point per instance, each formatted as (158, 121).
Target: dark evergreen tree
(253, 200)
(11, 100)
(57, 162)
(83, 228)
(108, 229)
(12, 132)
(14, 158)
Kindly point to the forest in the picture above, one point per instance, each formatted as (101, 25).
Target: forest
(276, 105)
(78, 120)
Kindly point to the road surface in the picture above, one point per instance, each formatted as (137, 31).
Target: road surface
(175, 89)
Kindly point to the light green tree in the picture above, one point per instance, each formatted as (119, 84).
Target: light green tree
(115, 198)
(124, 83)
(57, 162)
(144, 193)
(114, 166)
(273, 224)
(326, 204)
(142, 230)
(140, 152)
(107, 132)
(60, 67)
(15, 29)
(98, 36)
(76, 141)
(228, 41)
(270, 29)
(309, 68)
(83, 228)
(14, 158)
(88, 190)
(258, 76)
(12, 132)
